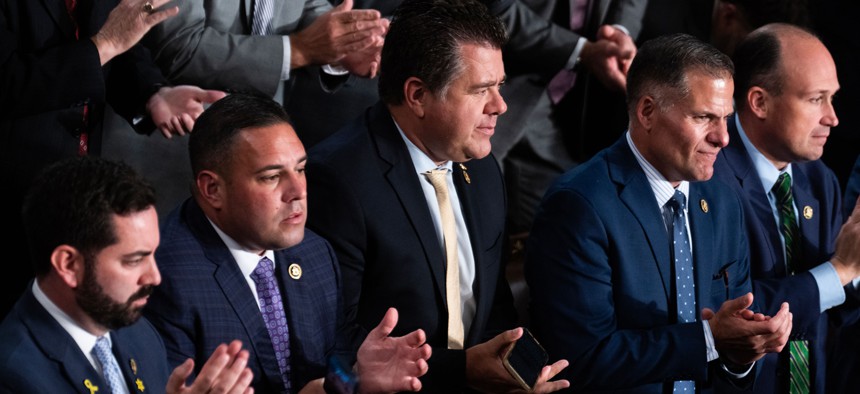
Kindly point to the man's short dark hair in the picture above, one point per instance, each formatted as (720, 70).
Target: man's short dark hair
(72, 203)
(424, 42)
(758, 61)
(211, 141)
(664, 63)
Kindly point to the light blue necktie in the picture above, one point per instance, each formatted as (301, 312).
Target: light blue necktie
(110, 368)
(684, 283)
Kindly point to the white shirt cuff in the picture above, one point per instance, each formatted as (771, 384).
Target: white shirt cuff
(830, 291)
(285, 65)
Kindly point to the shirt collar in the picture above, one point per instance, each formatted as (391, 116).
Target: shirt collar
(420, 160)
(767, 172)
(247, 260)
(83, 338)
(662, 188)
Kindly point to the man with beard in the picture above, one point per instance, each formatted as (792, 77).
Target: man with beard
(92, 231)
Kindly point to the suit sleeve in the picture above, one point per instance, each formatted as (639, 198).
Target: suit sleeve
(534, 43)
(174, 323)
(191, 51)
(570, 262)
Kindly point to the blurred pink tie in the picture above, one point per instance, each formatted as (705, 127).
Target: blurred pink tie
(562, 82)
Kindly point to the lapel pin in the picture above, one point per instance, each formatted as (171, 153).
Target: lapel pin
(465, 174)
(90, 386)
(807, 212)
(704, 205)
(295, 271)
(133, 365)
(139, 384)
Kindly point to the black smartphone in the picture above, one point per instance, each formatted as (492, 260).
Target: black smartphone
(524, 360)
(340, 379)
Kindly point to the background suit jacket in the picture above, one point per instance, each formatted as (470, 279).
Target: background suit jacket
(38, 356)
(47, 79)
(598, 265)
(541, 44)
(814, 186)
(210, 43)
(204, 300)
(364, 197)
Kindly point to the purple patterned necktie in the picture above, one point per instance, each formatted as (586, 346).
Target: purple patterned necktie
(272, 307)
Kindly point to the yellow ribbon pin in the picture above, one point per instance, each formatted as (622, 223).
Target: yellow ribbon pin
(139, 384)
(90, 386)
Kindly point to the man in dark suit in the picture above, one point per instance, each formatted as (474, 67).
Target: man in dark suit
(60, 64)
(627, 248)
(238, 263)
(413, 202)
(786, 80)
(92, 229)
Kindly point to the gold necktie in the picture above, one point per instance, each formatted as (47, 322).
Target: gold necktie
(452, 273)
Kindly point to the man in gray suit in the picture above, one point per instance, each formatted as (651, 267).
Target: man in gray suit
(252, 46)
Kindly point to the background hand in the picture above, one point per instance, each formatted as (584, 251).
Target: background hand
(175, 109)
(127, 24)
(391, 364)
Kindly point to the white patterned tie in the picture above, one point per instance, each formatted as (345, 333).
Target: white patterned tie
(262, 23)
(439, 179)
(110, 368)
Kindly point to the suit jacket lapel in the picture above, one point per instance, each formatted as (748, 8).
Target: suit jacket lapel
(60, 15)
(125, 356)
(809, 226)
(235, 289)
(738, 159)
(298, 300)
(57, 345)
(636, 193)
(702, 235)
(403, 180)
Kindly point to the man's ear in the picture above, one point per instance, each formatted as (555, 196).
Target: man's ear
(758, 101)
(210, 188)
(415, 95)
(68, 263)
(646, 108)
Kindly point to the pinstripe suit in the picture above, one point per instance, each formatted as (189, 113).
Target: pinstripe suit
(204, 300)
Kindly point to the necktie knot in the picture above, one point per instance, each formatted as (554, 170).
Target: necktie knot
(438, 178)
(782, 189)
(678, 202)
(264, 271)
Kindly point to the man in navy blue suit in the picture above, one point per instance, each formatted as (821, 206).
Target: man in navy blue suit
(628, 248)
(786, 80)
(239, 264)
(92, 229)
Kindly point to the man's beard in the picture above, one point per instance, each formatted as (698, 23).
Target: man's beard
(113, 315)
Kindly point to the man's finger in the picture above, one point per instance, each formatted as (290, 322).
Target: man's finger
(345, 6)
(357, 15)
(385, 326)
(211, 96)
(179, 375)
(160, 16)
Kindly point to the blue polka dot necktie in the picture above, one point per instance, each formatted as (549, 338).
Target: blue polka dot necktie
(683, 263)
(798, 360)
(272, 307)
(110, 368)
